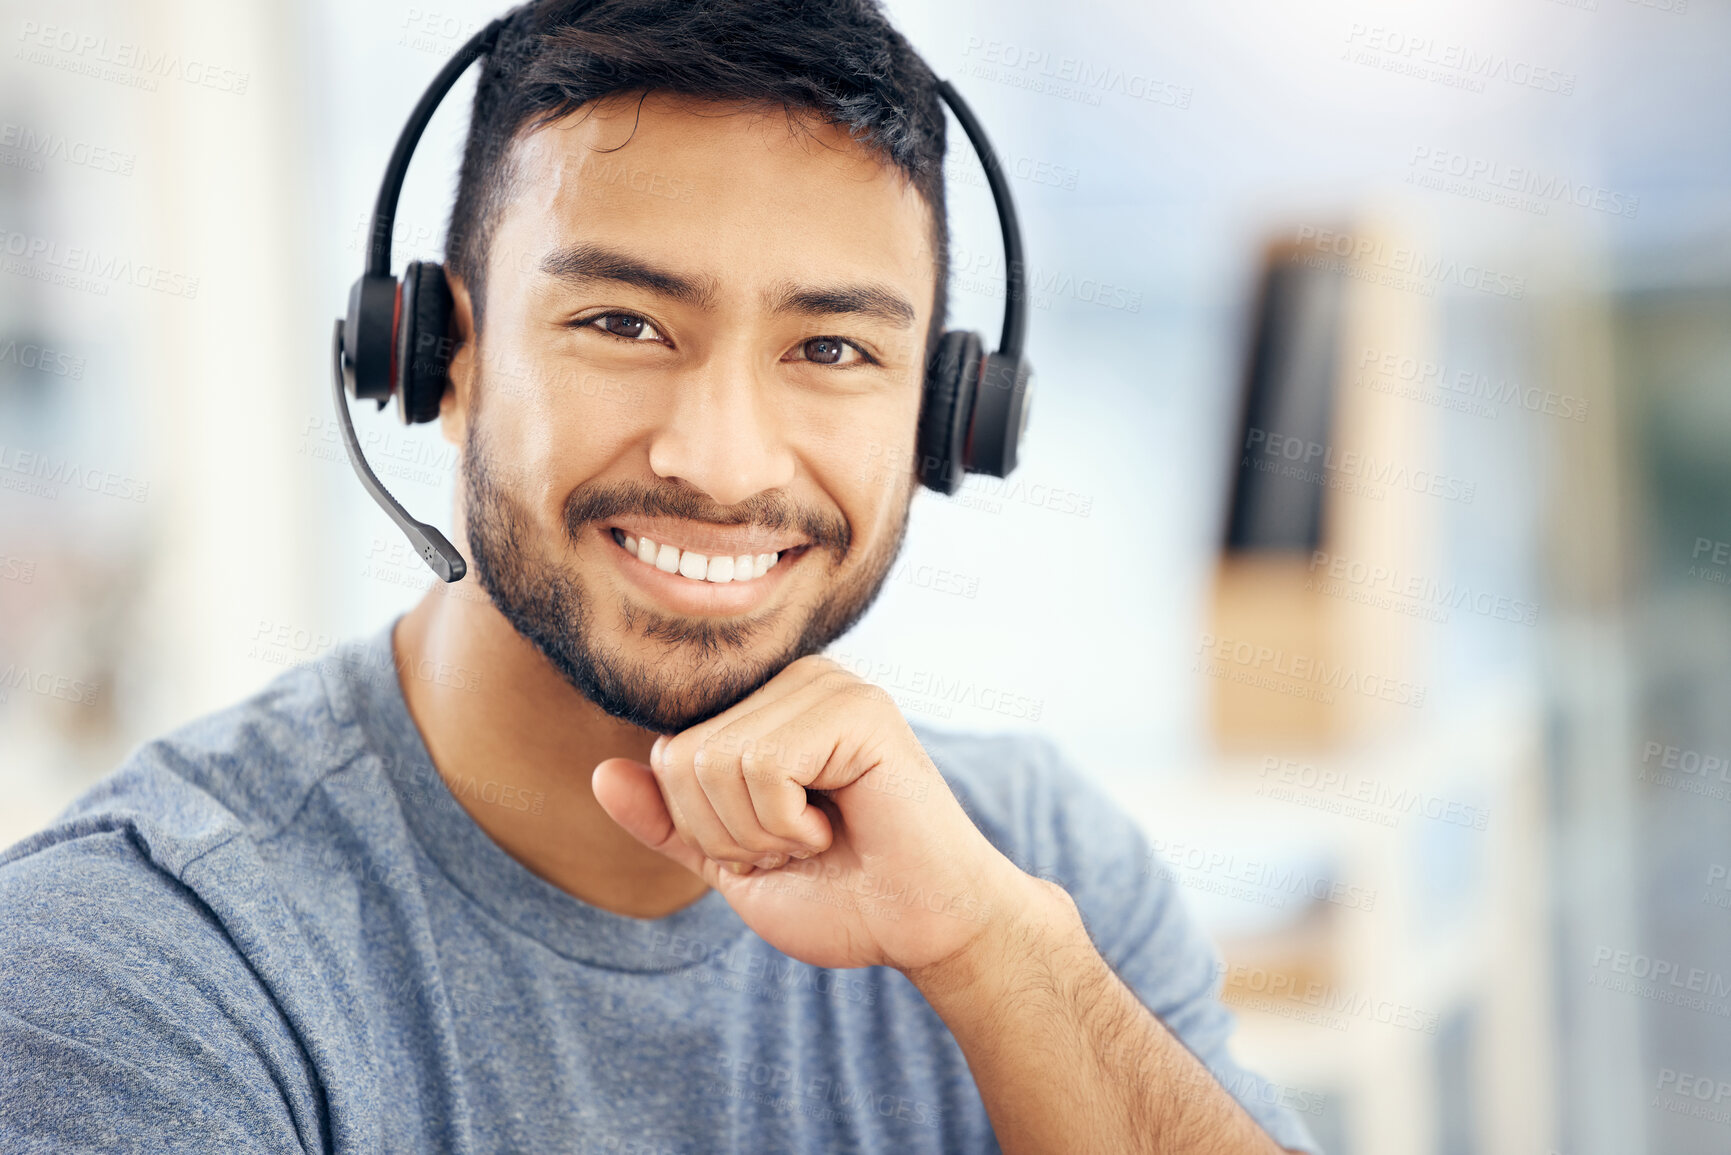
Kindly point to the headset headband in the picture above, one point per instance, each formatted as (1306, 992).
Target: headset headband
(385, 209)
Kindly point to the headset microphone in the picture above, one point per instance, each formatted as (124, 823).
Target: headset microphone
(396, 338)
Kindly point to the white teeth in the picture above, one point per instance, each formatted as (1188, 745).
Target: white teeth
(697, 566)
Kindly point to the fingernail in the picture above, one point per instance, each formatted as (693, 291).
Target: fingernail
(655, 752)
(771, 861)
(738, 867)
(802, 855)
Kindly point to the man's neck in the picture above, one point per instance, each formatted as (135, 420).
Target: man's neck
(516, 744)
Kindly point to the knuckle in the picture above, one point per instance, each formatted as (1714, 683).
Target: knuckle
(873, 694)
(837, 676)
(709, 766)
(759, 764)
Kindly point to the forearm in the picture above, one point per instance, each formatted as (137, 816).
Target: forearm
(1067, 1058)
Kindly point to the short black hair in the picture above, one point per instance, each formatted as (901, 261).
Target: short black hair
(838, 59)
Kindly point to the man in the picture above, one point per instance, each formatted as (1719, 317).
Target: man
(603, 855)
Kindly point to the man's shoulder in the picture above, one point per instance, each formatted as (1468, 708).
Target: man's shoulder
(136, 1016)
(242, 770)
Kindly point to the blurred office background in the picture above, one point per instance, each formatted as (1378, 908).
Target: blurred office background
(1372, 541)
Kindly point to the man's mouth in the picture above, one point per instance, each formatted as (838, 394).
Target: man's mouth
(701, 567)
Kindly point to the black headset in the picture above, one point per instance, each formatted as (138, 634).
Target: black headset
(396, 339)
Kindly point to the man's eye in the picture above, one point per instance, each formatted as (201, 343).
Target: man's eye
(830, 351)
(627, 326)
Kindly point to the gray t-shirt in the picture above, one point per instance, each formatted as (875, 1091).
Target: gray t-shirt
(276, 929)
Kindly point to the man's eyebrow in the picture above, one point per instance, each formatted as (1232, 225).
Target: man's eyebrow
(844, 300)
(590, 262)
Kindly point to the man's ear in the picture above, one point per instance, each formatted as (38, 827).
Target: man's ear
(454, 403)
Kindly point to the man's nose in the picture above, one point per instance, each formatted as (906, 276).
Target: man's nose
(722, 433)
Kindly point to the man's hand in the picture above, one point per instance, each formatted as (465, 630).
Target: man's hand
(895, 875)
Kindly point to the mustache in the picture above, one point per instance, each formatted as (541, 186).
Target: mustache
(603, 502)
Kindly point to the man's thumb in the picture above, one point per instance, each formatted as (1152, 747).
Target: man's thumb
(628, 792)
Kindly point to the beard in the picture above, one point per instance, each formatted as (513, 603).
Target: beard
(697, 667)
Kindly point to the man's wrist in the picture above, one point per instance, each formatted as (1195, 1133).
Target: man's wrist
(1030, 921)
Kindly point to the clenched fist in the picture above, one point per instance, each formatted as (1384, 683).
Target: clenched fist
(814, 810)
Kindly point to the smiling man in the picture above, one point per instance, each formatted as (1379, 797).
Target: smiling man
(593, 850)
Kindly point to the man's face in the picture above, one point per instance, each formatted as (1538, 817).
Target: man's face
(705, 329)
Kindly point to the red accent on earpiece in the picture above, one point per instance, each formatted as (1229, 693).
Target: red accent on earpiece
(396, 321)
(973, 413)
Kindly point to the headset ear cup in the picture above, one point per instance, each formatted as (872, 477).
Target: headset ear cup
(1000, 416)
(424, 342)
(946, 409)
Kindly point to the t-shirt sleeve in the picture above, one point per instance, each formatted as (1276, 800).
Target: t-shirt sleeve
(129, 1021)
(1098, 853)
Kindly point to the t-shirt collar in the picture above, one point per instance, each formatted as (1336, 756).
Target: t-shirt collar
(361, 678)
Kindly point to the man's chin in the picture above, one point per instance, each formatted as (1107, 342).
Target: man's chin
(668, 689)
